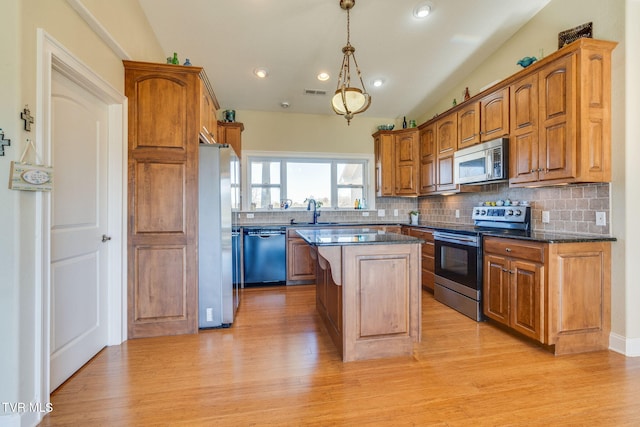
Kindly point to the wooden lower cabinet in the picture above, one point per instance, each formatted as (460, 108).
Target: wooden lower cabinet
(369, 298)
(300, 264)
(428, 255)
(556, 293)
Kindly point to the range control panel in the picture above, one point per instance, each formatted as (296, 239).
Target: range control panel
(502, 213)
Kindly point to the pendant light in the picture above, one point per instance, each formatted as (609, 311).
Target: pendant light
(349, 100)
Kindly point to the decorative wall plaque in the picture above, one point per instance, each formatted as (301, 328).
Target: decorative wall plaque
(568, 36)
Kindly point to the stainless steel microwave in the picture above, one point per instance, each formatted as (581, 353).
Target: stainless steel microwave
(482, 163)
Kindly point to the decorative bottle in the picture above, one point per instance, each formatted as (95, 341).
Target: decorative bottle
(175, 60)
(404, 122)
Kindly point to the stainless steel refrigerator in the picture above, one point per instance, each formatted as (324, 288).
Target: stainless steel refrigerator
(218, 294)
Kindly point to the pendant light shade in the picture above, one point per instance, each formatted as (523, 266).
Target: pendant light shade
(348, 100)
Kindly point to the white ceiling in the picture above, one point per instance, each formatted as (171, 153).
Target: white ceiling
(296, 39)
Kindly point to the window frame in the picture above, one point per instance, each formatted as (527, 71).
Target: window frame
(283, 158)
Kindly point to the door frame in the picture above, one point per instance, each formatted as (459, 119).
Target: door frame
(51, 55)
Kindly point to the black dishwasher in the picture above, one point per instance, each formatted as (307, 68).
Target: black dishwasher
(264, 251)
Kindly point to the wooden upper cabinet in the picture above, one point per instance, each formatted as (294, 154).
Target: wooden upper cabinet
(208, 122)
(447, 144)
(469, 125)
(164, 129)
(484, 120)
(407, 153)
(494, 115)
(562, 127)
(428, 159)
(523, 144)
(557, 142)
(231, 133)
(384, 150)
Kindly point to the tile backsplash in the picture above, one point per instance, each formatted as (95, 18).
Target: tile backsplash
(572, 208)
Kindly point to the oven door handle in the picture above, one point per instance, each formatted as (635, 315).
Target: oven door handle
(456, 238)
(489, 164)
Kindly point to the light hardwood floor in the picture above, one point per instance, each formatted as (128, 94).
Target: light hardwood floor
(277, 366)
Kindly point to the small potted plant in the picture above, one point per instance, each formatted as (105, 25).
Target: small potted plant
(413, 215)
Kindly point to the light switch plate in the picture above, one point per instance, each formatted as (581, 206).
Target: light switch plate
(365, 213)
(545, 216)
(381, 212)
(457, 213)
(395, 212)
(601, 218)
(249, 215)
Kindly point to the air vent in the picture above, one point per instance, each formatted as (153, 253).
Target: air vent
(315, 92)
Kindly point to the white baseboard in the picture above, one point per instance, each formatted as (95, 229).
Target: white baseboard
(630, 347)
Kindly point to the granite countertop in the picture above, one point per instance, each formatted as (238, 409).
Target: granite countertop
(536, 236)
(469, 229)
(318, 236)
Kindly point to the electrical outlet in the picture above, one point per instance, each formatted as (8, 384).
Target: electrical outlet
(545, 217)
(395, 212)
(249, 215)
(601, 218)
(365, 213)
(381, 212)
(209, 314)
(457, 213)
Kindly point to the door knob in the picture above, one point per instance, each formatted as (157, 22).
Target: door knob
(105, 238)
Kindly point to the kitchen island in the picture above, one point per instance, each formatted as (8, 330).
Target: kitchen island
(368, 290)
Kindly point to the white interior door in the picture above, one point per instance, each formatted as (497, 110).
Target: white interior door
(79, 136)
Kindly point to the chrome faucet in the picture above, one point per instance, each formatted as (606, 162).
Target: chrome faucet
(316, 214)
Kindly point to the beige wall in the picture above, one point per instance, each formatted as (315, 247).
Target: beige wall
(307, 132)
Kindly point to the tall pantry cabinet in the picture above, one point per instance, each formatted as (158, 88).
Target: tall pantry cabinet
(164, 131)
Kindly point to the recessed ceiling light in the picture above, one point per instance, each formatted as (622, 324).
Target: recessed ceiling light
(422, 10)
(377, 82)
(285, 104)
(261, 72)
(323, 77)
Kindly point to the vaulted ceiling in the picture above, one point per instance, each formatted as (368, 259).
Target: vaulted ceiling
(295, 40)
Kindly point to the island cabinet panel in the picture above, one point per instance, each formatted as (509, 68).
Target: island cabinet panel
(164, 126)
(384, 293)
(392, 338)
(300, 264)
(375, 310)
(556, 293)
(328, 299)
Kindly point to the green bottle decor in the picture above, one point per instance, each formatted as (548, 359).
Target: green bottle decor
(175, 60)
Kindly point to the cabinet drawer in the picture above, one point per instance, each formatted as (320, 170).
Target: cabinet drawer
(426, 235)
(515, 248)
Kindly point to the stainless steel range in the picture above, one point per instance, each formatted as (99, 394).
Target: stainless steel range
(458, 255)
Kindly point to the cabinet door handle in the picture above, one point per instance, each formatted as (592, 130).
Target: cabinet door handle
(508, 249)
(512, 272)
(504, 270)
(533, 170)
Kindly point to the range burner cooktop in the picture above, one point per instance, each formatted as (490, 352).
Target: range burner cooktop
(511, 217)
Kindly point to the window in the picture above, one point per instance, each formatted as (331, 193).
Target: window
(336, 183)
